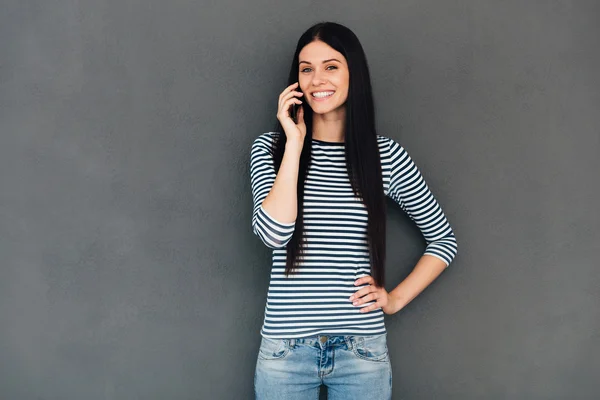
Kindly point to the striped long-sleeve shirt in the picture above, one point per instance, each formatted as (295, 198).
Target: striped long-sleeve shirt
(314, 300)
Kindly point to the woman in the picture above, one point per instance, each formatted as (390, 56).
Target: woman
(319, 185)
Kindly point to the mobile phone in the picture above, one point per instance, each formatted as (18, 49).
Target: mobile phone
(294, 113)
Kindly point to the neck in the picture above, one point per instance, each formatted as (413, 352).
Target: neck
(330, 127)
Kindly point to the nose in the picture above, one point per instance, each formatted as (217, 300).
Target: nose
(318, 79)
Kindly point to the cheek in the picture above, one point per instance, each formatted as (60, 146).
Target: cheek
(344, 94)
(343, 86)
(303, 83)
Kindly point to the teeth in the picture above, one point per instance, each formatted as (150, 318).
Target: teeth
(322, 94)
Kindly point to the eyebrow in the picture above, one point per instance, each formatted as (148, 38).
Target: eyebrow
(324, 61)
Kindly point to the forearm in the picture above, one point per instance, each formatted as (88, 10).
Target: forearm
(426, 271)
(281, 203)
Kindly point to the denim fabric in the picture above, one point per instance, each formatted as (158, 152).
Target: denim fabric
(352, 367)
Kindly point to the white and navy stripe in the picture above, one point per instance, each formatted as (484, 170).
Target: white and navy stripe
(315, 299)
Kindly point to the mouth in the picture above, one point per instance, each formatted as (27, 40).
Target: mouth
(322, 96)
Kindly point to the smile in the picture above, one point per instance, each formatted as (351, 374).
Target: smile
(320, 96)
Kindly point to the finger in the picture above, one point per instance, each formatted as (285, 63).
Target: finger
(363, 280)
(288, 89)
(288, 104)
(366, 299)
(369, 308)
(285, 110)
(360, 296)
(287, 97)
(361, 292)
(300, 115)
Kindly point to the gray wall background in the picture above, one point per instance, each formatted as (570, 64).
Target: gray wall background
(128, 266)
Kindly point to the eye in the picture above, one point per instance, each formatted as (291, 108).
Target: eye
(328, 68)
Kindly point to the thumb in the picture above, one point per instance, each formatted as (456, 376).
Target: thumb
(300, 115)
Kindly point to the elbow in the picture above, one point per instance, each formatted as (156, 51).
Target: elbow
(445, 248)
(272, 240)
(274, 234)
(452, 246)
(277, 245)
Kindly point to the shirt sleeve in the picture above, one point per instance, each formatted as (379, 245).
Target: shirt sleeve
(409, 189)
(274, 234)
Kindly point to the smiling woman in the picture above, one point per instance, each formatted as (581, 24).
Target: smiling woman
(319, 185)
(325, 76)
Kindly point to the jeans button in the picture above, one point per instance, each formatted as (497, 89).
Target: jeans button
(323, 339)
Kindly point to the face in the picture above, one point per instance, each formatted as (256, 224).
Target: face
(323, 77)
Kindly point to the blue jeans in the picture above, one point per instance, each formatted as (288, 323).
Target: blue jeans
(352, 367)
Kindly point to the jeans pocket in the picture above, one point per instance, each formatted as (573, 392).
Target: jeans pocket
(273, 349)
(371, 348)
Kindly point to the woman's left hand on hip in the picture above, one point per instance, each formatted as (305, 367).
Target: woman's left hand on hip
(379, 295)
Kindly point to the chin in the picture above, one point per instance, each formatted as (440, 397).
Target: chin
(325, 110)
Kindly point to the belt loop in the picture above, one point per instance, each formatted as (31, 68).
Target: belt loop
(292, 343)
(349, 343)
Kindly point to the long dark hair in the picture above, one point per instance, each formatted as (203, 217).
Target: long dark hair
(362, 151)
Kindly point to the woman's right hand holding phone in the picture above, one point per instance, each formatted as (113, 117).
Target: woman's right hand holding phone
(294, 132)
(282, 203)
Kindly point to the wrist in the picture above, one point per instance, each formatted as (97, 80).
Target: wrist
(294, 146)
(396, 301)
